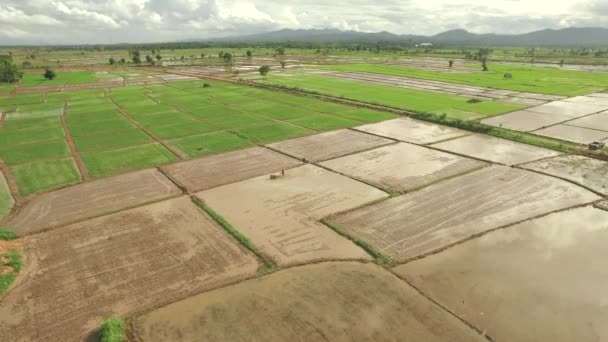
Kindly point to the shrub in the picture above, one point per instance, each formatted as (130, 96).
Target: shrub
(206, 85)
(49, 74)
(7, 235)
(113, 330)
(264, 70)
(508, 75)
(474, 100)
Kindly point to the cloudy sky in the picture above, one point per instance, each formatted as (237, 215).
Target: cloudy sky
(115, 21)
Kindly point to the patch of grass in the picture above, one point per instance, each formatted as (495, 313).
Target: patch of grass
(63, 77)
(367, 115)
(18, 154)
(6, 199)
(181, 129)
(162, 118)
(86, 127)
(110, 141)
(283, 112)
(7, 235)
(525, 78)
(45, 175)
(390, 96)
(271, 132)
(205, 144)
(323, 122)
(371, 250)
(13, 260)
(132, 158)
(234, 120)
(242, 239)
(113, 330)
(11, 136)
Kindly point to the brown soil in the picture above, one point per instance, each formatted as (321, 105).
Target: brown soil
(281, 216)
(209, 172)
(329, 145)
(402, 167)
(449, 212)
(7, 246)
(336, 301)
(413, 131)
(91, 199)
(603, 205)
(542, 280)
(80, 275)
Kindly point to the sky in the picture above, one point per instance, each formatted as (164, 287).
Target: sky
(139, 21)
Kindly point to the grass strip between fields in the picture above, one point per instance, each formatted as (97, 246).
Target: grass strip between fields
(371, 250)
(242, 239)
(113, 330)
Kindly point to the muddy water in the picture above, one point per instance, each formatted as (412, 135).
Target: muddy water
(410, 130)
(574, 134)
(542, 280)
(496, 150)
(524, 120)
(344, 301)
(402, 166)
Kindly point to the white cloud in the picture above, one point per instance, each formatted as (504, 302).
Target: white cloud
(113, 21)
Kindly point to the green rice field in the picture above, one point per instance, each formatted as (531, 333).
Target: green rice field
(524, 78)
(129, 128)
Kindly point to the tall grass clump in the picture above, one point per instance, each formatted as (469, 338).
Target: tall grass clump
(113, 330)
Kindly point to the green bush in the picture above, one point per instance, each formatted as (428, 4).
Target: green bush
(113, 330)
(7, 235)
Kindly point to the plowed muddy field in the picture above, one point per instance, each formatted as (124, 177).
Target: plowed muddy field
(91, 199)
(79, 275)
(410, 130)
(209, 172)
(281, 215)
(325, 302)
(448, 212)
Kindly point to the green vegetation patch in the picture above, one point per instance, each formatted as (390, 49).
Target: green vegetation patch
(7, 235)
(111, 140)
(367, 115)
(205, 144)
(18, 154)
(127, 159)
(181, 129)
(284, 112)
(6, 199)
(271, 132)
(113, 330)
(232, 119)
(63, 77)
(524, 78)
(322, 122)
(45, 175)
(9, 136)
(163, 118)
(9, 268)
(407, 99)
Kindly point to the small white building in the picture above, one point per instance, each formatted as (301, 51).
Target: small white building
(425, 44)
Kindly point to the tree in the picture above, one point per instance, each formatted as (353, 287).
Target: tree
(159, 57)
(264, 70)
(9, 72)
(249, 53)
(149, 59)
(123, 61)
(136, 56)
(227, 57)
(280, 51)
(26, 64)
(221, 54)
(202, 56)
(283, 63)
(483, 58)
(49, 74)
(451, 62)
(112, 61)
(561, 63)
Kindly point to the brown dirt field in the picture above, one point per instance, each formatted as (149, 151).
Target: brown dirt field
(448, 212)
(603, 205)
(7, 246)
(542, 280)
(77, 276)
(495, 150)
(329, 145)
(574, 134)
(524, 120)
(402, 167)
(281, 215)
(588, 172)
(335, 301)
(209, 172)
(410, 130)
(91, 199)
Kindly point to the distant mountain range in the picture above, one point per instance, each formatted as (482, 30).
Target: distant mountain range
(588, 36)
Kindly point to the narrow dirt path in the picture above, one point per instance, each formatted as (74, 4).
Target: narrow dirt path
(84, 173)
(173, 150)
